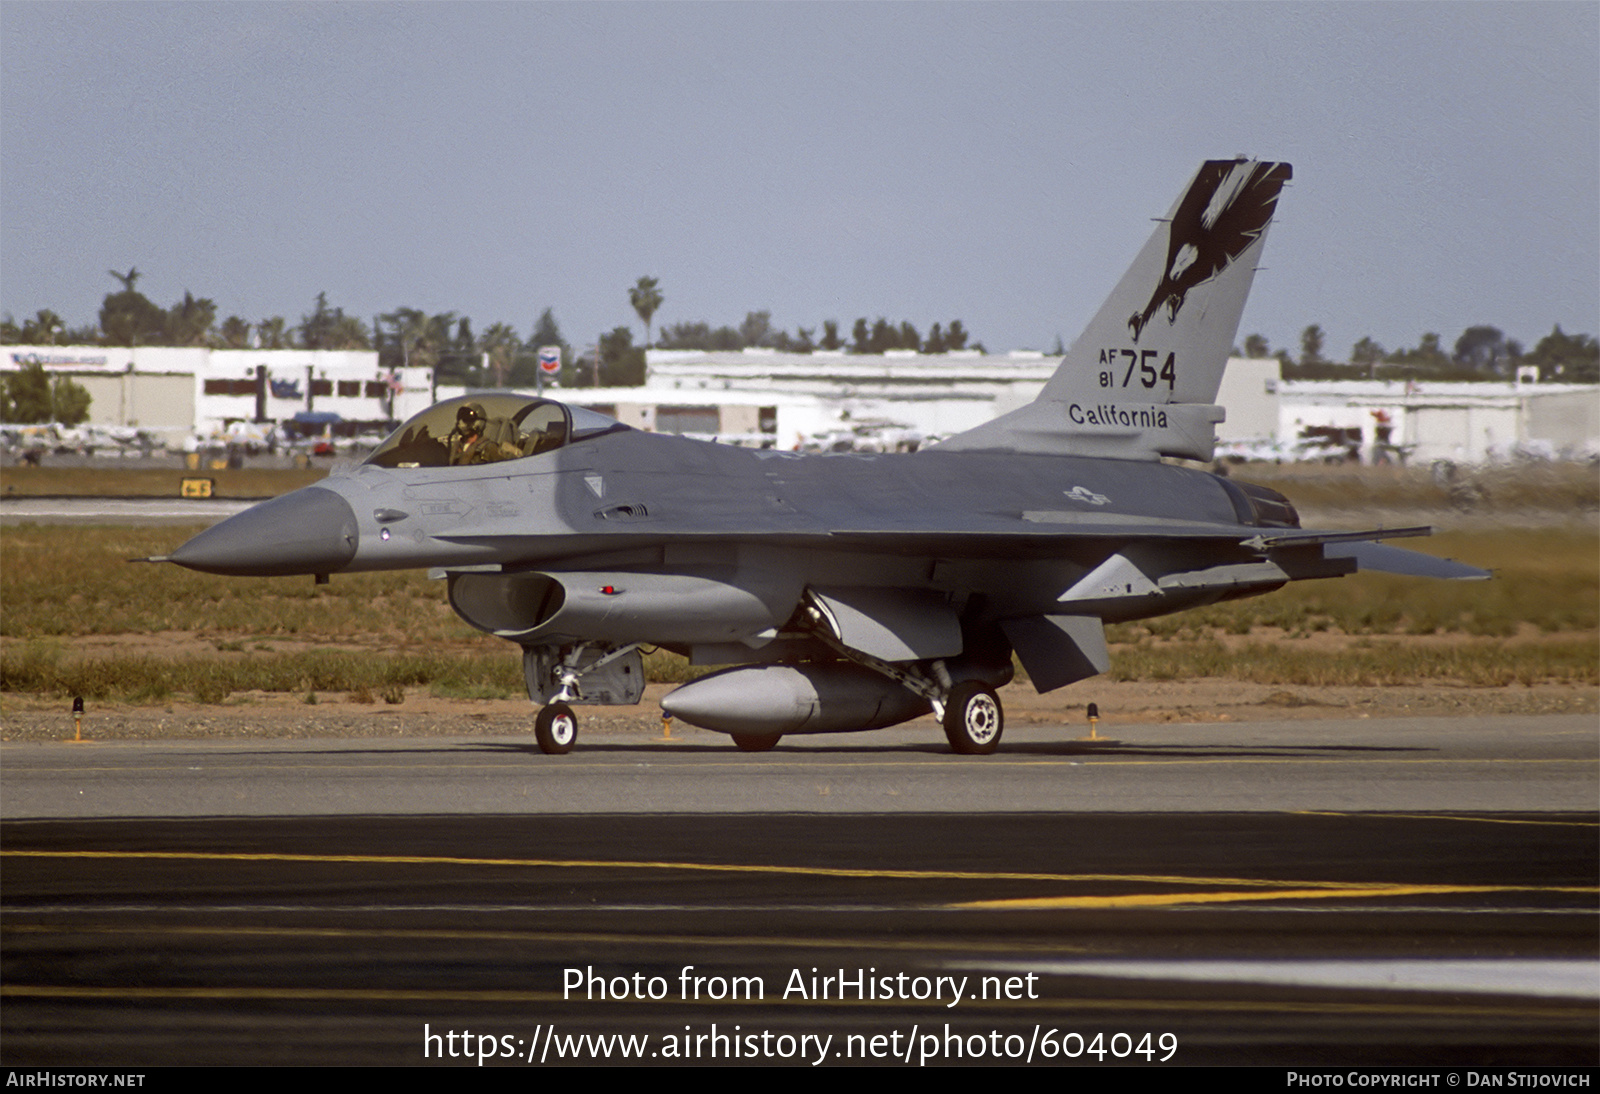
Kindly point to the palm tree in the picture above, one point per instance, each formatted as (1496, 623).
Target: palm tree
(189, 321)
(423, 338)
(43, 329)
(234, 333)
(349, 332)
(1366, 352)
(128, 318)
(273, 333)
(646, 298)
(499, 341)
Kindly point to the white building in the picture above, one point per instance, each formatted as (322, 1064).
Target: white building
(174, 392)
(933, 394)
(818, 399)
(1420, 421)
(1249, 393)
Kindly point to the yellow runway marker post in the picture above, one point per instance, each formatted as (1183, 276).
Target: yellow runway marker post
(77, 721)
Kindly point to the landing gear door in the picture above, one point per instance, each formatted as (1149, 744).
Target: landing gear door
(617, 682)
(891, 624)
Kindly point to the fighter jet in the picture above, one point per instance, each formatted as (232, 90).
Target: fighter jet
(845, 591)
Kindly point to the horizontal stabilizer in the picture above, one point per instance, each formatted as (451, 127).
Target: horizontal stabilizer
(1397, 560)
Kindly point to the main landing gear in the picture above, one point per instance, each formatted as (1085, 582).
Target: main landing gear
(969, 710)
(973, 719)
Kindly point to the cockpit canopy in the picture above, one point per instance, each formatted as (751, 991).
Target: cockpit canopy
(488, 428)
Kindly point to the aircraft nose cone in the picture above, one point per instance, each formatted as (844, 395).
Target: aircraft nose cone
(311, 531)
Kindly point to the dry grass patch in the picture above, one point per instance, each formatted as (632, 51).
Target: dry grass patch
(1558, 487)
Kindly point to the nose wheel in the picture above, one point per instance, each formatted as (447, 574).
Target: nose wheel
(556, 729)
(973, 719)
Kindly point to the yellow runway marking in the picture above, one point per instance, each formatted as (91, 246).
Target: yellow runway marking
(698, 867)
(1361, 892)
(1444, 816)
(997, 946)
(1348, 760)
(1257, 888)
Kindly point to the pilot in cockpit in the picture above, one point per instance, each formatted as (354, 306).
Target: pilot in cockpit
(480, 439)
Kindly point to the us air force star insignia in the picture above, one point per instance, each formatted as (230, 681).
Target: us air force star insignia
(1084, 494)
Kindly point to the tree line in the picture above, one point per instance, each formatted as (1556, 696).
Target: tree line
(498, 356)
(1480, 353)
(757, 332)
(447, 342)
(405, 336)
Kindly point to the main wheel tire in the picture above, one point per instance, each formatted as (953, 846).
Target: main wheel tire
(756, 742)
(973, 719)
(556, 729)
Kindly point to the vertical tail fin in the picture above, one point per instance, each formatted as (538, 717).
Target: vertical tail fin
(1140, 382)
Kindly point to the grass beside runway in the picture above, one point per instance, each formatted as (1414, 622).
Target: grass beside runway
(113, 480)
(80, 620)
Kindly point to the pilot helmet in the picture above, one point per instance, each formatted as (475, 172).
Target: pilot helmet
(470, 417)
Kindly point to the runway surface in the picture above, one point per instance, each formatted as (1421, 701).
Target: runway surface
(1407, 764)
(1412, 892)
(75, 510)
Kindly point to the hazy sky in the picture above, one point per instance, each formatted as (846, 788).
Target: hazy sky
(993, 162)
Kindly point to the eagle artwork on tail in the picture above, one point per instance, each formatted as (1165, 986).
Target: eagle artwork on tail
(1227, 208)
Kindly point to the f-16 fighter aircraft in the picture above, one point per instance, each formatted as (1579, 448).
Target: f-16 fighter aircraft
(845, 592)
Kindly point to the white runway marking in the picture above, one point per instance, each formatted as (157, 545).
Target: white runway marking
(1552, 979)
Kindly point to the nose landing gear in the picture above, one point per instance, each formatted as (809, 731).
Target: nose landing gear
(556, 729)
